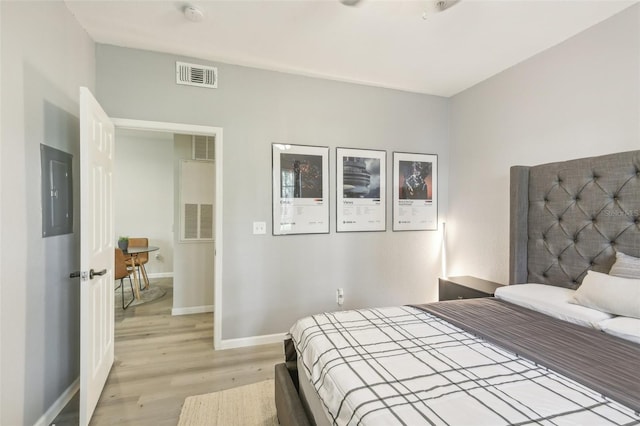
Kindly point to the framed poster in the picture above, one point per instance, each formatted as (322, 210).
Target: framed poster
(415, 192)
(360, 190)
(300, 189)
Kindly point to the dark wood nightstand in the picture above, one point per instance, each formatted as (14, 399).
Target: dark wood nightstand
(465, 287)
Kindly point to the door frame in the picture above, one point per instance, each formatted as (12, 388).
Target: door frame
(194, 129)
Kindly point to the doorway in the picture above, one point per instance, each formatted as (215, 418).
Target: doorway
(216, 134)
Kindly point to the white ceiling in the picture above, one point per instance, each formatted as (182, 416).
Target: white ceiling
(379, 43)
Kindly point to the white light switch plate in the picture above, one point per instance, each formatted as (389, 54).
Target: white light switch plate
(259, 228)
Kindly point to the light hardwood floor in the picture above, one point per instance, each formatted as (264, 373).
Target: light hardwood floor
(162, 359)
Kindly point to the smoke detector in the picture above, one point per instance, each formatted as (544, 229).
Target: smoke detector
(437, 6)
(193, 14)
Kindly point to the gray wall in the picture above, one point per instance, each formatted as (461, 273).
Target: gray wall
(578, 99)
(46, 56)
(268, 282)
(143, 201)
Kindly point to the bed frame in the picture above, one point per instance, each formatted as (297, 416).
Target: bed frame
(565, 219)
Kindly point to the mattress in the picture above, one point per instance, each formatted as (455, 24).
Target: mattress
(401, 365)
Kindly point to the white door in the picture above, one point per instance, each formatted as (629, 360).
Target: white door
(97, 252)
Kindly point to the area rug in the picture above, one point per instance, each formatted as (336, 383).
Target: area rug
(250, 405)
(149, 295)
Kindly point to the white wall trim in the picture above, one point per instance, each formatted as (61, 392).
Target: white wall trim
(56, 408)
(217, 250)
(192, 310)
(252, 341)
(158, 126)
(161, 275)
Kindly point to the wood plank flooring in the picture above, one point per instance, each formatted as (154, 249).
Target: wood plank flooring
(162, 359)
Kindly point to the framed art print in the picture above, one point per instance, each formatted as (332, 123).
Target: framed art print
(415, 192)
(360, 190)
(300, 189)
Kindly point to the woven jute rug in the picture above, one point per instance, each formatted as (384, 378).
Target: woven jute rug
(249, 405)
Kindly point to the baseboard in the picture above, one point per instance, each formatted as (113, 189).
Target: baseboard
(50, 415)
(192, 310)
(252, 341)
(161, 275)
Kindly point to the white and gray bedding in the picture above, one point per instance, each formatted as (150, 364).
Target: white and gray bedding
(552, 301)
(560, 303)
(401, 365)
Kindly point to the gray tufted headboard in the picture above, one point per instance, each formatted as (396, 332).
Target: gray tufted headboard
(572, 216)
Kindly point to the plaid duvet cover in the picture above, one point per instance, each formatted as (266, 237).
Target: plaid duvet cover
(403, 366)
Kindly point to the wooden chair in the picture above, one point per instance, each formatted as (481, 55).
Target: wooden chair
(141, 258)
(121, 271)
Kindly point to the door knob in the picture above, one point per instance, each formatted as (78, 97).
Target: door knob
(92, 273)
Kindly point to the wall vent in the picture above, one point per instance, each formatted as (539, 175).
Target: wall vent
(196, 75)
(197, 198)
(203, 148)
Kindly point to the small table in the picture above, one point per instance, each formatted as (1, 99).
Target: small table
(133, 252)
(465, 287)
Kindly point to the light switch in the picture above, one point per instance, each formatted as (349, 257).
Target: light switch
(259, 228)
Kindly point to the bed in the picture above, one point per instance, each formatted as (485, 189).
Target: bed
(561, 345)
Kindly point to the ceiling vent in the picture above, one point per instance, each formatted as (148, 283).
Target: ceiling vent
(196, 75)
(203, 148)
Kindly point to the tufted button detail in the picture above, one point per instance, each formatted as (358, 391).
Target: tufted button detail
(613, 243)
(559, 218)
(544, 274)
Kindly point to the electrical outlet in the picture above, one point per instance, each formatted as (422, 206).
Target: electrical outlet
(259, 228)
(339, 296)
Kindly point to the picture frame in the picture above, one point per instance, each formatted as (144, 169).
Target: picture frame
(300, 197)
(361, 190)
(415, 192)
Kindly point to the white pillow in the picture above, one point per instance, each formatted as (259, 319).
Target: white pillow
(625, 266)
(553, 301)
(615, 295)
(624, 327)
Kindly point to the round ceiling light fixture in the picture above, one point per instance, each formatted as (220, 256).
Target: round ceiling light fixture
(193, 14)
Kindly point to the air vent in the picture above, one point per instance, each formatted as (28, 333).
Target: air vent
(203, 148)
(196, 75)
